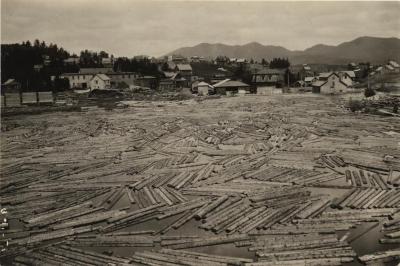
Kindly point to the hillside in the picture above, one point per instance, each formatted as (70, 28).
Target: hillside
(372, 49)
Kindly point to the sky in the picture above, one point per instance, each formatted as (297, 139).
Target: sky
(131, 27)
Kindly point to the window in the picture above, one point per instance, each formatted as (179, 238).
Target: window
(97, 81)
(84, 76)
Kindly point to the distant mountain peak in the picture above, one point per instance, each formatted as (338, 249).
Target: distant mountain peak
(361, 49)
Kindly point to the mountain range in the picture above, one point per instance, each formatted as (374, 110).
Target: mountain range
(363, 49)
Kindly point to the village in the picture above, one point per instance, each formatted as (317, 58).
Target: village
(198, 76)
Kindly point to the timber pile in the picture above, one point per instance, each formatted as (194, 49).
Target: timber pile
(239, 174)
(392, 230)
(178, 257)
(300, 247)
(381, 257)
(368, 199)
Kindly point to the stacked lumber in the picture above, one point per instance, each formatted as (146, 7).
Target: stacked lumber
(178, 257)
(392, 230)
(369, 198)
(254, 175)
(300, 247)
(65, 255)
(381, 257)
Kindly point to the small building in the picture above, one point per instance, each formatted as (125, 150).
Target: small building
(100, 82)
(147, 81)
(230, 87)
(11, 93)
(331, 84)
(185, 71)
(268, 76)
(166, 85)
(203, 88)
(308, 81)
(176, 59)
(11, 86)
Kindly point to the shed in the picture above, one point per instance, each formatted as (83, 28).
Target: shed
(203, 88)
(228, 86)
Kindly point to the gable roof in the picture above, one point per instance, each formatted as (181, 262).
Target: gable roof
(325, 74)
(230, 83)
(319, 83)
(351, 74)
(102, 77)
(184, 67)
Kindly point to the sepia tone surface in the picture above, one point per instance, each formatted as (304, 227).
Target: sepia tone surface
(200, 133)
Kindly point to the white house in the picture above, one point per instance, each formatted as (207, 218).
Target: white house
(203, 88)
(82, 79)
(347, 77)
(100, 82)
(331, 84)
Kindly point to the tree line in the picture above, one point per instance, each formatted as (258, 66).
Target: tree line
(34, 65)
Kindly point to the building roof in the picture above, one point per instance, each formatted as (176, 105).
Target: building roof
(96, 70)
(351, 74)
(309, 79)
(307, 68)
(107, 73)
(379, 69)
(241, 60)
(394, 64)
(325, 74)
(389, 67)
(227, 83)
(102, 77)
(184, 67)
(10, 82)
(269, 71)
(319, 83)
(202, 84)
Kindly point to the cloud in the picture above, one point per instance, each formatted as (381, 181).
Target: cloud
(127, 28)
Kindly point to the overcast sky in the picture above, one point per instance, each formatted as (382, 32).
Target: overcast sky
(129, 27)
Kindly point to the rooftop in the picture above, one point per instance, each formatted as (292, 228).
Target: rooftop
(230, 83)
